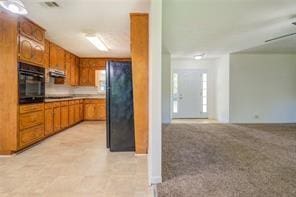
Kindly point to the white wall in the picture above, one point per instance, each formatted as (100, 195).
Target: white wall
(210, 66)
(154, 150)
(262, 88)
(222, 89)
(166, 88)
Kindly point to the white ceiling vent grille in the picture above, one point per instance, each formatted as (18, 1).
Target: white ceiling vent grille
(51, 4)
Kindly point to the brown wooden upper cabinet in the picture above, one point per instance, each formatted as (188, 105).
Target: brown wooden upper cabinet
(31, 42)
(88, 67)
(68, 67)
(46, 54)
(74, 61)
(31, 30)
(77, 61)
(30, 51)
(56, 57)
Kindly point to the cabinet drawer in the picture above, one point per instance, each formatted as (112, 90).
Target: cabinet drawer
(56, 104)
(48, 106)
(31, 108)
(64, 103)
(76, 102)
(31, 135)
(31, 119)
(71, 102)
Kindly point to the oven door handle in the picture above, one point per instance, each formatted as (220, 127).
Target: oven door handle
(31, 74)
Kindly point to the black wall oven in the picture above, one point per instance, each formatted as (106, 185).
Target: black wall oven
(31, 83)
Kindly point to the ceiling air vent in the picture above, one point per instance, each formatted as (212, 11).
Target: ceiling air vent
(51, 4)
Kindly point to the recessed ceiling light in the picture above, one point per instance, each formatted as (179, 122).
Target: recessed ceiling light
(199, 57)
(14, 6)
(97, 42)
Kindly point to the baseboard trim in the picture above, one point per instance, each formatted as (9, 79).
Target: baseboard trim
(155, 180)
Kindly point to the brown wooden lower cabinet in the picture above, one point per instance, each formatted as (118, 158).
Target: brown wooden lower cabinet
(56, 119)
(77, 112)
(31, 135)
(48, 116)
(81, 110)
(31, 119)
(71, 114)
(37, 121)
(31, 124)
(95, 109)
(65, 116)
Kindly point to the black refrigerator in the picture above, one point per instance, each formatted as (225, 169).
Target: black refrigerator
(119, 107)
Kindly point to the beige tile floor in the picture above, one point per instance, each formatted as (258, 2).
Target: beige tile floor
(74, 163)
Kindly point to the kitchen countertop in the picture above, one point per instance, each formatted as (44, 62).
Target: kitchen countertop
(75, 98)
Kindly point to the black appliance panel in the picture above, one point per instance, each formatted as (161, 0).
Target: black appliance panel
(120, 113)
(31, 84)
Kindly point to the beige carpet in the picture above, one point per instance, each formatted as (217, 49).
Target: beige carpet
(228, 160)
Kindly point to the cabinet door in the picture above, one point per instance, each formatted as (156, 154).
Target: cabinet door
(77, 113)
(46, 54)
(38, 34)
(77, 78)
(101, 111)
(92, 76)
(30, 51)
(80, 111)
(68, 67)
(31, 119)
(31, 30)
(53, 59)
(31, 135)
(38, 54)
(61, 58)
(57, 119)
(26, 49)
(77, 75)
(71, 115)
(89, 111)
(48, 121)
(84, 76)
(64, 117)
(25, 27)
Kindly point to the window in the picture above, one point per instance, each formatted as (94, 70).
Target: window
(101, 80)
(204, 93)
(175, 93)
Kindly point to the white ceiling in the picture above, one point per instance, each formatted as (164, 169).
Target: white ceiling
(286, 45)
(218, 27)
(67, 25)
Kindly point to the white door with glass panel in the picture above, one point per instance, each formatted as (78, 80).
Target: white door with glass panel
(189, 93)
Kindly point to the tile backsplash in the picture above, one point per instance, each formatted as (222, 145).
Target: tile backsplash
(57, 89)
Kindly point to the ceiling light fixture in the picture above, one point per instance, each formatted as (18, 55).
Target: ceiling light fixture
(97, 42)
(199, 57)
(14, 6)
